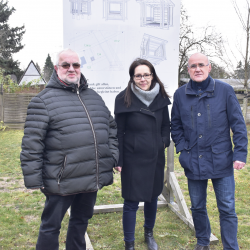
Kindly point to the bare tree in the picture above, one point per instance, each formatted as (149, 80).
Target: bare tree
(245, 23)
(218, 72)
(205, 40)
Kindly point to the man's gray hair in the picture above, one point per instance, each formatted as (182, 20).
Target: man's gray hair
(62, 51)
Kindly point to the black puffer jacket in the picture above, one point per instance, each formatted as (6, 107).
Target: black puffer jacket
(69, 144)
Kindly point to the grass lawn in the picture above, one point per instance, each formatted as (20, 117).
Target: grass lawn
(21, 209)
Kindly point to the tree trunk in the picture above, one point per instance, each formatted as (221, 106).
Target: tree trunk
(245, 102)
(245, 105)
(246, 28)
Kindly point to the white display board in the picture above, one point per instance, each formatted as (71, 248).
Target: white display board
(109, 34)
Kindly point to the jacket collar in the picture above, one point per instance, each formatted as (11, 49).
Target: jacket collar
(57, 83)
(209, 90)
(137, 105)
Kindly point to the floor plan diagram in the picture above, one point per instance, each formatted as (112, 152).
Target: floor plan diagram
(115, 9)
(80, 8)
(100, 50)
(156, 13)
(153, 49)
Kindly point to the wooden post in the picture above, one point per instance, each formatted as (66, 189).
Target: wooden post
(167, 191)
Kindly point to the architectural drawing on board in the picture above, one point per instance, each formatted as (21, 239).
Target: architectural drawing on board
(156, 13)
(100, 50)
(115, 9)
(153, 49)
(79, 8)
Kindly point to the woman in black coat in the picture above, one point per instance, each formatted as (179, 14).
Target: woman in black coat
(141, 113)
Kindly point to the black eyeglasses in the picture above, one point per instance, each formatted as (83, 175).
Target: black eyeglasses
(145, 76)
(200, 65)
(67, 65)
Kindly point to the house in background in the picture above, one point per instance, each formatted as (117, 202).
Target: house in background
(237, 84)
(32, 74)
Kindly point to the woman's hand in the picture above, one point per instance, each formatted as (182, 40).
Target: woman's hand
(118, 168)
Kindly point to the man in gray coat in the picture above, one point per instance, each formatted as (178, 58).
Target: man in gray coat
(69, 150)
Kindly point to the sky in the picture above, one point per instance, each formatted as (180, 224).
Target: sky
(220, 14)
(43, 20)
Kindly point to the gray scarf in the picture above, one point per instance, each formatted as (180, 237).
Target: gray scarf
(146, 97)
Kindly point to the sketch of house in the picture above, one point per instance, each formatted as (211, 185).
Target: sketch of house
(156, 13)
(153, 49)
(100, 50)
(115, 9)
(79, 8)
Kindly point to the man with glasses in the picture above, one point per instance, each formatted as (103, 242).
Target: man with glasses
(204, 111)
(69, 150)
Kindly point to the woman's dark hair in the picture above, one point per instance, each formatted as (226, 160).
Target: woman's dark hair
(138, 62)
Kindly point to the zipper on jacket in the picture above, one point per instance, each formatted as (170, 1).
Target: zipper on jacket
(192, 116)
(62, 170)
(208, 116)
(93, 131)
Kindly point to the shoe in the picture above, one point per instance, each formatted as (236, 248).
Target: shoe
(199, 247)
(129, 245)
(149, 239)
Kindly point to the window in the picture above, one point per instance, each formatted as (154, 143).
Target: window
(115, 8)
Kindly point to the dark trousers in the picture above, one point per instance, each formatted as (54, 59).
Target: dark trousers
(224, 189)
(55, 208)
(129, 217)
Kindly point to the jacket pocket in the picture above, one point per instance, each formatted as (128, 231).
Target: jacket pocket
(185, 158)
(222, 155)
(60, 174)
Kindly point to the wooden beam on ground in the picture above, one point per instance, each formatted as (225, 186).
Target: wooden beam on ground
(176, 207)
(179, 196)
(88, 242)
(119, 207)
(110, 209)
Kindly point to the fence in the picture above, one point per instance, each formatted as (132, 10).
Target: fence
(13, 109)
(240, 99)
